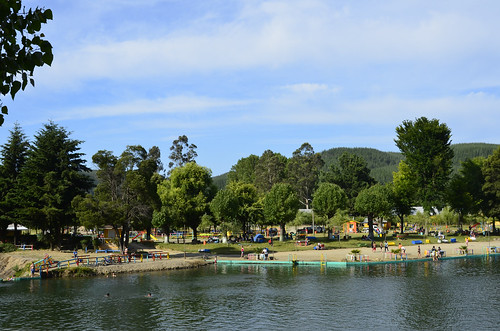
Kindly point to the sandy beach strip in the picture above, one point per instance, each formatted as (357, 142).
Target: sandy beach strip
(177, 260)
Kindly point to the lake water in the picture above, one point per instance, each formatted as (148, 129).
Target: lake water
(452, 294)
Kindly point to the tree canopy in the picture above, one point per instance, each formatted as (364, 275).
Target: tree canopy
(270, 170)
(329, 198)
(281, 205)
(425, 144)
(491, 187)
(303, 172)
(402, 192)
(244, 170)
(126, 195)
(52, 176)
(181, 152)
(351, 174)
(187, 194)
(22, 47)
(13, 156)
(373, 202)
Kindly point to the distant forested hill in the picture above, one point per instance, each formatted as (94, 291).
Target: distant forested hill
(383, 164)
(470, 151)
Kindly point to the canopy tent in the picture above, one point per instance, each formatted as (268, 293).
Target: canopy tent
(19, 227)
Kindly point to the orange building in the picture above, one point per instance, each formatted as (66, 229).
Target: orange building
(351, 227)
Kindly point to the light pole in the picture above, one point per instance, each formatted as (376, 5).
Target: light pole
(312, 213)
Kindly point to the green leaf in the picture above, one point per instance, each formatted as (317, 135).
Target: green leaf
(48, 14)
(5, 89)
(48, 58)
(25, 80)
(5, 110)
(1, 119)
(16, 86)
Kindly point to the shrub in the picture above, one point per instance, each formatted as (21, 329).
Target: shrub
(96, 243)
(7, 247)
(42, 240)
(85, 242)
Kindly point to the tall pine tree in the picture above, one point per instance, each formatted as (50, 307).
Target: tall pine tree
(13, 155)
(52, 176)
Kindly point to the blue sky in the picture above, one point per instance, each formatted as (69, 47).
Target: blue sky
(240, 77)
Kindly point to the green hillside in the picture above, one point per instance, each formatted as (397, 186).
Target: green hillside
(383, 164)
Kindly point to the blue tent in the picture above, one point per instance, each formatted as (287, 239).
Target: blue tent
(259, 238)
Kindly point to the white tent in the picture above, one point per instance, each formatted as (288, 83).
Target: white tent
(19, 227)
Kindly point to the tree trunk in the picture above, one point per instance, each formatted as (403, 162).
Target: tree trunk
(195, 234)
(166, 229)
(402, 220)
(15, 233)
(282, 232)
(370, 226)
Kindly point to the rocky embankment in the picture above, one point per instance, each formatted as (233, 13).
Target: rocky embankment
(10, 263)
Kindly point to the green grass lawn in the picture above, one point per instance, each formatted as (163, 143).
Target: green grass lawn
(290, 246)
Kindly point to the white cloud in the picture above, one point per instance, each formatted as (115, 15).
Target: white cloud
(278, 34)
(473, 109)
(169, 105)
(309, 88)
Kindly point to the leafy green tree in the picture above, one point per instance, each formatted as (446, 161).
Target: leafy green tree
(465, 190)
(338, 220)
(224, 207)
(402, 192)
(425, 144)
(303, 172)
(351, 174)
(491, 187)
(52, 176)
(181, 153)
(373, 202)
(249, 208)
(329, 198)
(22, 47)
(165, 218)
(187, 194)
(142, 178)
(244, 170)
(447, 217)
(13, 155)
(126, 195)
(281, 205)
(270, 170)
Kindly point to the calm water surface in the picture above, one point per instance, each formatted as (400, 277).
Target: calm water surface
(453, 294)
